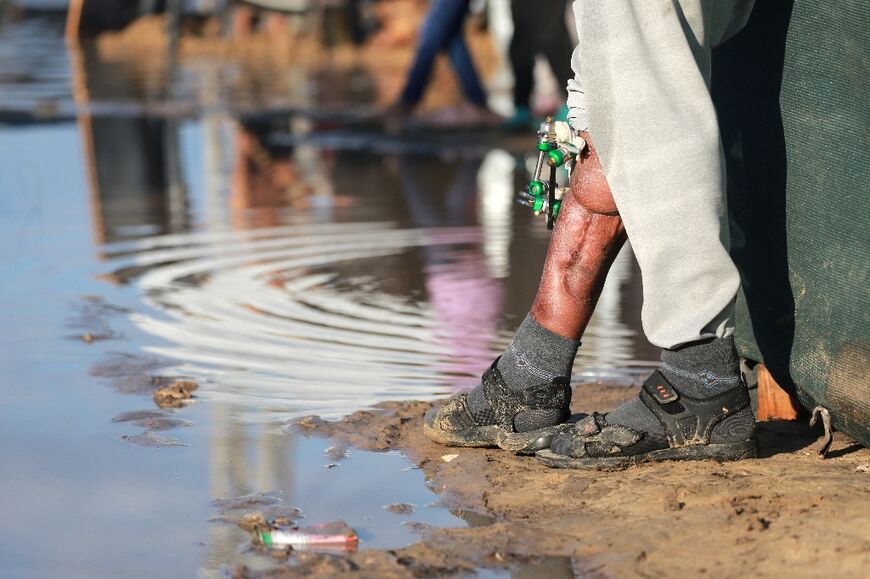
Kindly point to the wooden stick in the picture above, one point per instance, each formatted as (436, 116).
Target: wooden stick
(774, 403)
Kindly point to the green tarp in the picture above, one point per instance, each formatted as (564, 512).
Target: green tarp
(792, 91)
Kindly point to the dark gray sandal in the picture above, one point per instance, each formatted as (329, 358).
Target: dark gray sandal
(688, 422)
(508, 426)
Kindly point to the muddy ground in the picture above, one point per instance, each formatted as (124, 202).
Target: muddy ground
(786, 513)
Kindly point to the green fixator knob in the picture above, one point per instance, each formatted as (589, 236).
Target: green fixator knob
(536, 188)
(538, 204)
(545, 147)
(556, 206)
(558, 157)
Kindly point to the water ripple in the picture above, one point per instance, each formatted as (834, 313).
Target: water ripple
(270, 318)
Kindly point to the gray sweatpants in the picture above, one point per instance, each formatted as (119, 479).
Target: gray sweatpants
(642, 90)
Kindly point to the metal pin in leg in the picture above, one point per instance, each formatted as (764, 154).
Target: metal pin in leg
(542, 196)
(550, 197)
(536, 204)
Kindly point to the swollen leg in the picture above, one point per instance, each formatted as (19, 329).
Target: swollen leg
(587, 237)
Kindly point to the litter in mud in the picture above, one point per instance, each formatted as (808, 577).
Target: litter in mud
(331, 537)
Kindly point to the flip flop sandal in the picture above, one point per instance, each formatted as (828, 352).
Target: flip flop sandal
(514, 421)
(596, 444)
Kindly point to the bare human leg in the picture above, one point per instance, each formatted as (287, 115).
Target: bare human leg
(586, 239)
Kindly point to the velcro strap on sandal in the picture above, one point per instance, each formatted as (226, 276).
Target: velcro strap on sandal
(555, 394)
(689, 421)
(507, 403)
(658, 387)
(595, 437)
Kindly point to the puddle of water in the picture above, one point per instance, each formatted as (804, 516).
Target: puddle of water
(362, 488)
(549, 567)
(287, 279)
(323, 310)
(129, 78)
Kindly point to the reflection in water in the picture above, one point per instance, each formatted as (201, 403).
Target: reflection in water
(300, 279)
(254, 458)
(465, 298)
(399, 290)
(310, 315)
(263, 312)
(33, 65)
(136, 176)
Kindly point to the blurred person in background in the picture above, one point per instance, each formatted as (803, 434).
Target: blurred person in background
(540, 28)
(443, 31)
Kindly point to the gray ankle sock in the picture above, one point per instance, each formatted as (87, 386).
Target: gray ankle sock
(534, 356)
(700, 370)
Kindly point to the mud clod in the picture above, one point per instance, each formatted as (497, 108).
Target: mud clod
(248, 521)
(400, 508)
(153, 440)
(266, 498)
(176, 394)
(309, 422)
(337, 452)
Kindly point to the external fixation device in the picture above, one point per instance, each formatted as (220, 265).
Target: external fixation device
(558, 145)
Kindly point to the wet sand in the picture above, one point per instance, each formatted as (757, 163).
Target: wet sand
(788, 512)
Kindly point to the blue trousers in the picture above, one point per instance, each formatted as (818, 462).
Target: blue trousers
(442, 31)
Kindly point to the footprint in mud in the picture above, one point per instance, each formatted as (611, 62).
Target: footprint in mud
(150, 439)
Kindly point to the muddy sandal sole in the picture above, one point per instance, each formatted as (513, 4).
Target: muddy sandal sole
(497, 437)
(717, 452)
(686, 422)
(454, 424)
